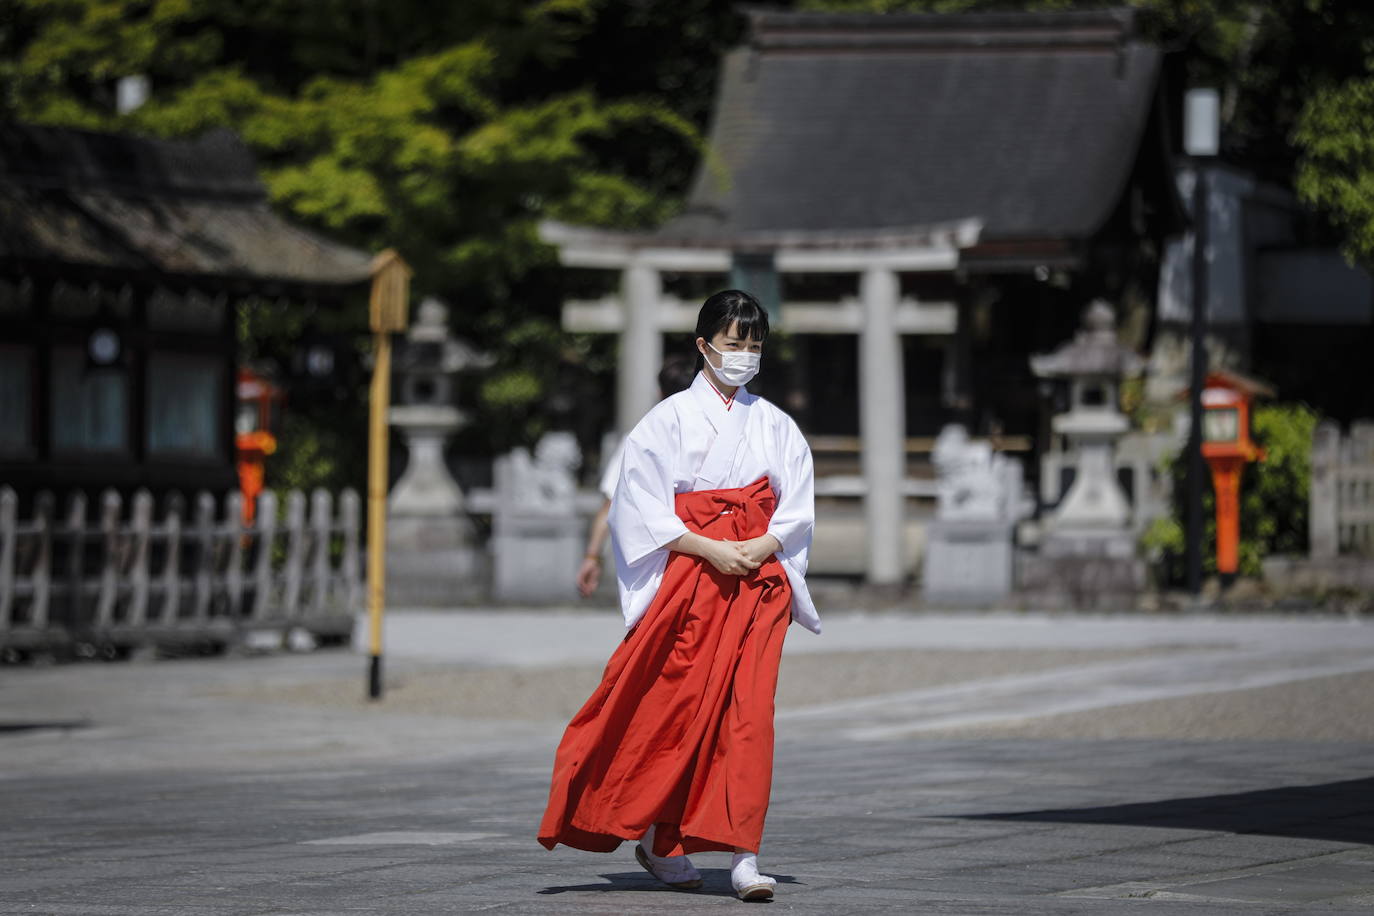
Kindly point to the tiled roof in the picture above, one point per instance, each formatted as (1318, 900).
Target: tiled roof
(1030, 123)
(189, 208)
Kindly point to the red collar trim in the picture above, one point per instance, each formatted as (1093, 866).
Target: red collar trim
(728, 402)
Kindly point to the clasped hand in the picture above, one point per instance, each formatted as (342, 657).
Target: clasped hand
(736, 558)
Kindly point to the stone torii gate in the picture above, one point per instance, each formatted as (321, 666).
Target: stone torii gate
(641, 313)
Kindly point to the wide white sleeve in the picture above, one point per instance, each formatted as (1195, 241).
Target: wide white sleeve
(643, 517)
(794, 517)
(611, 477)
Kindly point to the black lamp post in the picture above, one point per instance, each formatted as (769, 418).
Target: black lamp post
(1201, 141)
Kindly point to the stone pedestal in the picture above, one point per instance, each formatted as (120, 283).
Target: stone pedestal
(969, 554)
(538, 534)
(536, 559)
(432, 565)
(430, 558)
(1090, 570)
(967, 562)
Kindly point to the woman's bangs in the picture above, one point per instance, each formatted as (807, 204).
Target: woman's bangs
(751, 320)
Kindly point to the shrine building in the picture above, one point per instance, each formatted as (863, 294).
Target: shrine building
(922, 201)
(122, 263)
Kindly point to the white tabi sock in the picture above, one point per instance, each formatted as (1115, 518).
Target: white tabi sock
(674, 868)
(744, 871)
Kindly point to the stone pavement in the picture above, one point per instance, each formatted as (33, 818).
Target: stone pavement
(994, 763)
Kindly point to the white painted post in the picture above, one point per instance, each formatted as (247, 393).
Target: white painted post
(295, 554)
(882, 425)
(205, 556)
(41, 575)
(1359, 469)
(349, 568)
(320, 505)
(9, 532)
(233, 563)
(141, 523)
(110, 504)
(1323, 511)
(641, 345)
(265, 525)
(75, 583)
(171, 561)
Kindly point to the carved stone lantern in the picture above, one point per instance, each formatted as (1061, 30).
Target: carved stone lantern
(1093, 363)
(430, 553)
(1087, 552)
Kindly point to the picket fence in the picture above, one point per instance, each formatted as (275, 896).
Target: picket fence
(187, 575)
(1341, 516)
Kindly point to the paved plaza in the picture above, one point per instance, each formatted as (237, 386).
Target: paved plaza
(981, 763)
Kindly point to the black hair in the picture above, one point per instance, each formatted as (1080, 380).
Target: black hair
(677, 373)
(728, 307)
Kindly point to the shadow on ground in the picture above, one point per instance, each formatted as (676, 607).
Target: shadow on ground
(8, 728)
(715, 881)
(1339, 811)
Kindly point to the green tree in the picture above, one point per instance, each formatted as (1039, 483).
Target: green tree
(447, 132)
(1336, 173)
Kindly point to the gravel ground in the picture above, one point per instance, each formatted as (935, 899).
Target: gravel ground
(1338, 708)
(1335, 708)
(556, 692)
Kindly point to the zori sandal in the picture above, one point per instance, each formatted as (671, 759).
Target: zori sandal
(761, 890)
(748, 883)
(683, 879)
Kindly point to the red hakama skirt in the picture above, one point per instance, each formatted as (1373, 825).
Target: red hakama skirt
(680, 731)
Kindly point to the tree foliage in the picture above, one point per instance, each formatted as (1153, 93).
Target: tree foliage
(1336, 136)
(448, 131)
(384, 123)
(444, 131)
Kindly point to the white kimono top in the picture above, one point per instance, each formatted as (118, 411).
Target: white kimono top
(667, 453)
(611, 476)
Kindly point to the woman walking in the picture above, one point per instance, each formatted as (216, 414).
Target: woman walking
(711, 527)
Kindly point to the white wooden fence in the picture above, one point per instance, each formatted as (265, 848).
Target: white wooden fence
(1341, 515)
(117, 579)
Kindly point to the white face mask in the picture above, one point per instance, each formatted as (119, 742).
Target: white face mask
(736, 368)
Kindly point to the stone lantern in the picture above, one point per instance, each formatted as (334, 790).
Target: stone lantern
(431, 559)
(1087, 546)
(1093, 363)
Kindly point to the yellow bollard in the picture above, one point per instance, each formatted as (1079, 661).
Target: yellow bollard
(389, 309)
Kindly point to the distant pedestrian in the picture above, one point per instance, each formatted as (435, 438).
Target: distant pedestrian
(711, 521)
(675, 375)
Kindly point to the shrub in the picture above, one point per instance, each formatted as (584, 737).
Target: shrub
(1273, 499)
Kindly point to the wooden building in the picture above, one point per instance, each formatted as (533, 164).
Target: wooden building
(122, 260)
(932, 197)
